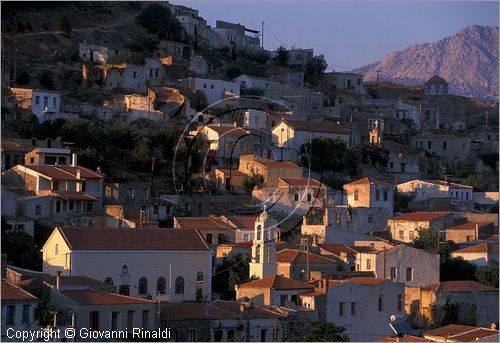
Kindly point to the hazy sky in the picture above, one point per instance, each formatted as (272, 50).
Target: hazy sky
(350, 34)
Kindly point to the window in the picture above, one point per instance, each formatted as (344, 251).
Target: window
(37, 100)
(190, 335)
(204, 85)
(370, 218)
(309, 197)
(394, 273)
(71, 205)
(150, 71)
(55, 185)
(94, 320)
(109, 280)
(230, 335)
(114, 321)
(161, 285)
(221, 239)
(368, 264)
(402, 234)
(259, 232)
(356, 195)
(145, 192)
(56, 249)
(45, 101)
(400, 302)
(296, 197)
(135, 74)
(353, 309)
(218, 335)
(38, 210)
(32, 160)
(156, 72)
(377, 195)
(386, 196)
(10, 318)
(54, 102)
(179, 285)
(409, 274)
(199, 294)
(381, 302)
(444, 145)
(209, 238)
(429, 144)
(143, 286)
(26, 314)
(130, 193)
(341, 309)
(199, 276)
(467, 196)
(411, 235)
(337, 218)
(263, 335)
(145, 319)
(246, 237)
(211, 86)
(130, 319)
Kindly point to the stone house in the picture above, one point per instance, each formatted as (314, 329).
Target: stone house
(292, 196)
(289, 135)
(345, 81)
(407, 265)
(484, 140)
(18, 310)
(49, 157)
(222, 321)
(236, 35)
(12, 154)
(404, 228)
(471, 302)
(306, 104)
(230, 180)
(140, 263)
(42, 103)
(96, 53)
(271, 170)
(405, 163)
(288, 76)
(424, 190)
(228, 142)
(370, 193)
(264, 120)
(254, 82)
(294, 264)
(479, 254)
(469, 231)
(298, 56)
(214, 230)
(273, 290)
(355, 258)
(449, 148)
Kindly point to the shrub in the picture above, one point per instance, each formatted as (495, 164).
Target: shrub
(65, 25)
(45, 79)
(252, 180)
(23, 78)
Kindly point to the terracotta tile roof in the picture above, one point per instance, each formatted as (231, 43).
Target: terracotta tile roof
(241, 221)
(459, 286)
(72, 281)
(449, 184)
(367, 181)
(485, 247)
(11, 292)
(405, 338)
(95, 297)
(234, 172)
(216, 310)
(228, 130)
(275, 164)
(203, 223)
(470, 226)
(73, 196)
(296, 256)
(64, 173)
(277, 282)
(102, 238)
(13, 146)
(460, 333)
(314, 126)
(420, 216)
(367, 281)
(337, 249)
(302, 182)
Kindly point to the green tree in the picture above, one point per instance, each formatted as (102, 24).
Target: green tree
(252, 180)
(488, 274)
(65, 25)
(476, 181)
(127, 57)
(326, 154)
(20, 27)
(321, 331)
(232, 271)
(427, 239)
(28, 26)
(281, 58)
(402, 202)
(233, 71)
(43, 312)
(157, 19)
(23, 78)
(45, 79)
(490, 159)
(18, 246)
(375, 155)
(315, 69)
(457, 269)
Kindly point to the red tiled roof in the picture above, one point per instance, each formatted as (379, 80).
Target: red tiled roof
(367, 181)
(277, 282)
(367, 281)
(436, 80)
(85, 238)
(11, 292)
(228, 130)
(13, 146)
(95, 297)
(64, 173)
(241, 221)
(216, 310)
(405, 338)
(461, 333)
(470, 226)
(485, 247)
(459, 286)
(337, 249)
(420, 216)
(314, 126)
(296, 256)
(73, 196)
(77, 281)
(302, 182)
(203, 223)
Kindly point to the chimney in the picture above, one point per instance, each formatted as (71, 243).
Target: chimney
(58, 280)
(74, 160)
(477, 231)
(78, 175)
(235, 124)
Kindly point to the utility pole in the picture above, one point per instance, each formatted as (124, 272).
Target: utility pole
(378, 72)
(262, 35)
(486, 119)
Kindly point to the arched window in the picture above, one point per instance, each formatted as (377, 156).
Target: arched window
(143, 286)
(161, 285)
(309, 197)
(56, 249)
(296, 197)
(109, 281)
(199, 276)
(259, 229)
(179, 285)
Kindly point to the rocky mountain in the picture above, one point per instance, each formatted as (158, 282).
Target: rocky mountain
(467, 60)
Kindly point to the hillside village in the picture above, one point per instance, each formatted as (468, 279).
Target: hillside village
(164, 174)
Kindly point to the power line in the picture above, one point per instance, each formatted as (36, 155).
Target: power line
(268, 29)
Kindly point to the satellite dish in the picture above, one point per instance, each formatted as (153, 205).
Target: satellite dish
(393, 318)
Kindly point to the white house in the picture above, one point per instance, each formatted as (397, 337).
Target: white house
(44, 104)
(174, 265)
(428, 189)
(214, 90)
(248, 81)
(289, 135)
(405, 227)
(18, 311)
(479, 254)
